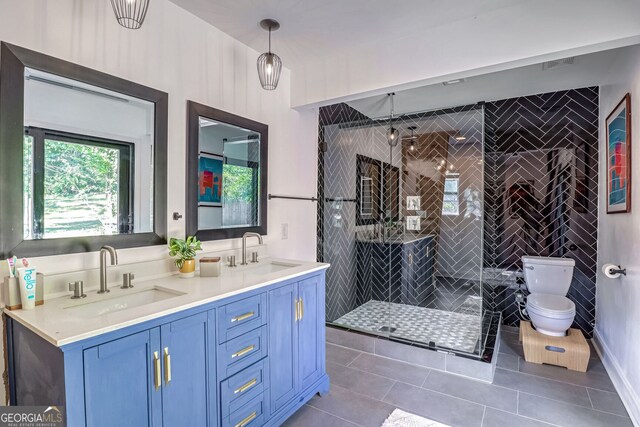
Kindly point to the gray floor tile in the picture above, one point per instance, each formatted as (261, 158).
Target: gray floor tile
(591, 379)
(415, 355)
(353, 407)
(370, 385)
(564, 392)
(564, 414)
(308, 416)
(435, 406)
(341, 355)
(350, 339)
(474, 391)
(607, 402)
(507, 361)
(510, 346)
(496, 418)
(393, 369)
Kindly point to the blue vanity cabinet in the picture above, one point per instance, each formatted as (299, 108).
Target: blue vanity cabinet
(283, 344)
(296, 339)
(185, 375)
(248, 360)
(119, 382)
(152, 378)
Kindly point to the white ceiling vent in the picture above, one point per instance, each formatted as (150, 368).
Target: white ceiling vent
(558, 63)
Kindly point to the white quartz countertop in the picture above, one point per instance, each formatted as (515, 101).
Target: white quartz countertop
(61, 321)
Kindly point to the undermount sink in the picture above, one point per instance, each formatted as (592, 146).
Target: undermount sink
(270, 267)
(123, 301)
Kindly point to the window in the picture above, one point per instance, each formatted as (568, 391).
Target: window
(240, 197)
(450, 201)
(76, 185)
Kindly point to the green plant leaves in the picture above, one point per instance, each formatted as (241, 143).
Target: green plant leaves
(184, 249)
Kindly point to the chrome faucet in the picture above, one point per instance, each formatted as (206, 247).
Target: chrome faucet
(103, 266)
(244, 245)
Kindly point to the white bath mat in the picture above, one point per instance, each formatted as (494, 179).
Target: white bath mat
(400, 418)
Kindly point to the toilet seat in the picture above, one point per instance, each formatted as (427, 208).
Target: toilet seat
(551, 306)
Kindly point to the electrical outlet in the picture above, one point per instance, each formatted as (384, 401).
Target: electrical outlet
(284, 231)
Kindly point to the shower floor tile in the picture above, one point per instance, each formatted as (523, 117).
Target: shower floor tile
(457, 331)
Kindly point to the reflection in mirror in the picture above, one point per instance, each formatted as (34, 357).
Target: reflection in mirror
(88, 160)
(228, 176)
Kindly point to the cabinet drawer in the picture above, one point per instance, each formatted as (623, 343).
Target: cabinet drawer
(240, 352)
(238, 317)
(252, 414)
(243, 387)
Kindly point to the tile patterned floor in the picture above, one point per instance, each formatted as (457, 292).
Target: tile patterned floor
(366, 388)
(446, 329)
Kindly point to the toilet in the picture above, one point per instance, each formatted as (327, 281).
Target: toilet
(548, 280)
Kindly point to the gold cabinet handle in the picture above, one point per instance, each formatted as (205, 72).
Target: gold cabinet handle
(301, 308)
(243, 351)
(246, 387)
(167, 366)
(157, 379)
(247, 420)
(297, 309)
(243, 316)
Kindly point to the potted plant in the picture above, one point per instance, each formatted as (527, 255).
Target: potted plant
(185, 252)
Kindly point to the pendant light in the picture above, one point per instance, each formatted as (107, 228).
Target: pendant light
(393, 135)
(130, 13)
(269, 64)
(412, 144)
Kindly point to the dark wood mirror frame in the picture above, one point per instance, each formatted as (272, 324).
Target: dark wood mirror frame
(194, 112)
(13, 61)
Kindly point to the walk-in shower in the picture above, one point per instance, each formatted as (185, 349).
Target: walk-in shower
(402, 225)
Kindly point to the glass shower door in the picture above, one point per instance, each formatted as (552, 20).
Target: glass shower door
(435, 241)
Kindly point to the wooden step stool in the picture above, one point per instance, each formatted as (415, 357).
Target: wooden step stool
(571, 351)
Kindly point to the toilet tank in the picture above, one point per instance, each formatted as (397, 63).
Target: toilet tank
(548, 275)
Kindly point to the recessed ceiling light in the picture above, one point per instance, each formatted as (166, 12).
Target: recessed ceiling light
(453, 82)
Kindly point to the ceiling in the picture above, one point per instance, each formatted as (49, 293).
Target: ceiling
(586, 70)
(312, 29)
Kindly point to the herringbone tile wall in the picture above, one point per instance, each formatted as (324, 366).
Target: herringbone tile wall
(541, 193)
(538, 197)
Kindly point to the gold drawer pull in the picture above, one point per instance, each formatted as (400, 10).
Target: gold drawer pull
(167, 366)
(243, 351)
(157, 380)
(247, 420)
(246, 387)
(301, 308)
(243, 317)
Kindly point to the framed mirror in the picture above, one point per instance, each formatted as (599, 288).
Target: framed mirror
(84, 158)
(226, 174)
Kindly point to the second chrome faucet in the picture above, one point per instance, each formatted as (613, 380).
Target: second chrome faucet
(103, 266)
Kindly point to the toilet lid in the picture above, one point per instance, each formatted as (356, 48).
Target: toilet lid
(551, 305)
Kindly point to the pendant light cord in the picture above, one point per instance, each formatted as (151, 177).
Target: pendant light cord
(269, 39)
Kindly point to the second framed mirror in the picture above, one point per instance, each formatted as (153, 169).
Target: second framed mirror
(226, 174)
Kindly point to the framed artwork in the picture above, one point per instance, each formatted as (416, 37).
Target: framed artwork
(210, 180)
(618, 129)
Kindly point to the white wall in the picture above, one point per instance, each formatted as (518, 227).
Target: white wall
(618, 301)
(178, 53)
(189, 59)
(523, 33)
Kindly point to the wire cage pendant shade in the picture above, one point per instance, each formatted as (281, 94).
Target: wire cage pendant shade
(130, 13)
(269, 64)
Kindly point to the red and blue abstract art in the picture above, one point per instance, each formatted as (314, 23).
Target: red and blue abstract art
(210, 180)
(618, 158)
